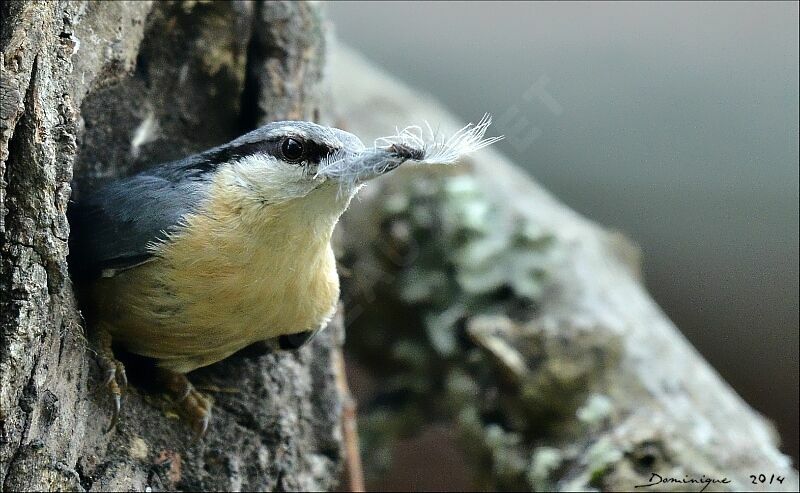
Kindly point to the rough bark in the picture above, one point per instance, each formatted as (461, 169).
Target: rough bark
(476, 298)
(95, 90)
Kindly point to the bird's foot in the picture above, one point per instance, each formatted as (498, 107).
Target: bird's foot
(114, 378)
(193, 405)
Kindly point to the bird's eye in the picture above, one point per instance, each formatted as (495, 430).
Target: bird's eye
(293, 149)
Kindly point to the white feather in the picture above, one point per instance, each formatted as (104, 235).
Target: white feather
(440, 150)
(351, 168)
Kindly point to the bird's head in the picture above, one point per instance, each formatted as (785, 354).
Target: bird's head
(283, 161)
(318, 168)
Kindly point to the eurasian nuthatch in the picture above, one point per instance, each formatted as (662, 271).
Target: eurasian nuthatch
(195, 259)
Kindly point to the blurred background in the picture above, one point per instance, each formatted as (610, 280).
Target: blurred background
(674, 123)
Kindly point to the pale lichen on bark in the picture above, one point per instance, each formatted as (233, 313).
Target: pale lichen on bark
(570, 379)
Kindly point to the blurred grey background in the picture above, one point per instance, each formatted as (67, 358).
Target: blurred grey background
(676, 123)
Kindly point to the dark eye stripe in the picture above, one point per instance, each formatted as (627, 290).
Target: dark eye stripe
(317, 152)
(209, 160)
(220, 155)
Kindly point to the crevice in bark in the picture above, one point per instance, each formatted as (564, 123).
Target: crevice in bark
(190, 79)
(249, 114)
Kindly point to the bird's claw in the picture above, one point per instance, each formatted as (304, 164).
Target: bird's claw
(200, 426)
(197, 408)
(115, 413)
(115, 380)
(110, 375)
(122, 377)
(192, 404)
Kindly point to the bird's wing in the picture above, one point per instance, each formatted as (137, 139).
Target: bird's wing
(112, 227)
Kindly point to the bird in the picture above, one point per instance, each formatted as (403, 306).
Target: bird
(190, 261)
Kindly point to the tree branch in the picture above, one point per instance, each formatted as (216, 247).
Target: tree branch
(479, 299)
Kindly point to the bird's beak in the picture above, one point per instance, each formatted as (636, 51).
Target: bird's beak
(354, 168)
(359, 164)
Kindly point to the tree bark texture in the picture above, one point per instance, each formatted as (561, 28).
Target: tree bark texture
(96, 90)
(475, 298)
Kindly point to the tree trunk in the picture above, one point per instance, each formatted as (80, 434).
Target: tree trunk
(475, 298)
(96, 90)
